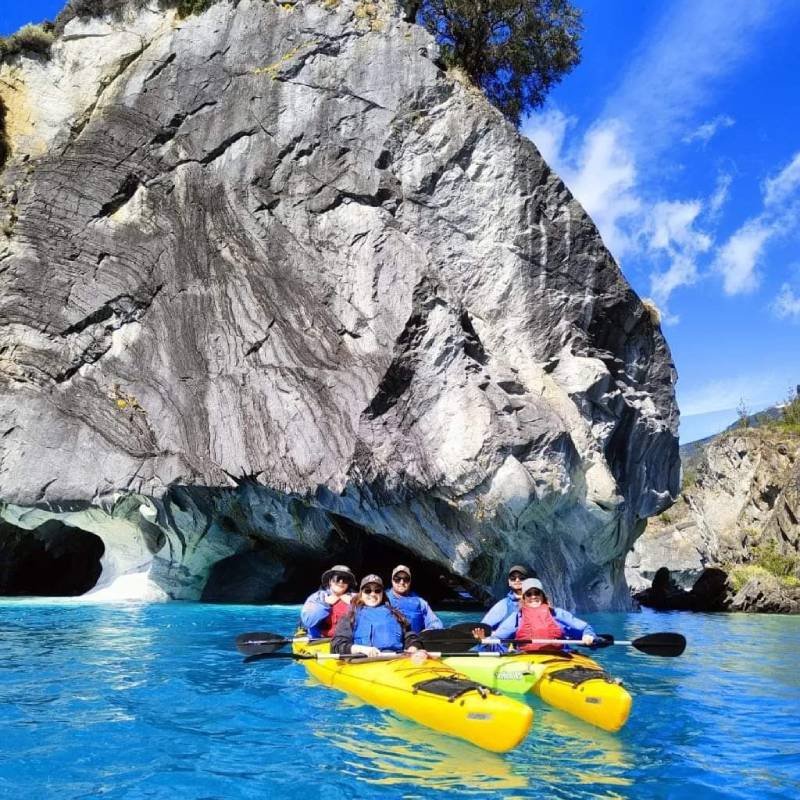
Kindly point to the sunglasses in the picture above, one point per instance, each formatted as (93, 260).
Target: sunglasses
(339, 578)
(516, 576)
(401, 579)
(534, 593)
(371, 590)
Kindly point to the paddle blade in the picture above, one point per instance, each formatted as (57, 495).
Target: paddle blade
(458, 639)
(467, 628)
(258, 643)
(285, 656)
(661, 644)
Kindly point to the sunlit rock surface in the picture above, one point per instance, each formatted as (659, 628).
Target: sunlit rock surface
(277, 290)
(741, 501)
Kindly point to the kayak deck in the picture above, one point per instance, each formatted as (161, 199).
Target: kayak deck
(571, 682)
(431, 694)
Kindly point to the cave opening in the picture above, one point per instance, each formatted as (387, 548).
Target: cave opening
(52, 560)
(287, 572)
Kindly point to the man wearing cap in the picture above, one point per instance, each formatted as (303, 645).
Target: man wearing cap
(534, 618)
(325, 607)
(510, 603)
(416, 610)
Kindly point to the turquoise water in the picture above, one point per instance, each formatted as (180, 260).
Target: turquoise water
(152, 701)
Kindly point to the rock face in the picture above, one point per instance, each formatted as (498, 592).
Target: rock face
(278, 290)
(744, 497)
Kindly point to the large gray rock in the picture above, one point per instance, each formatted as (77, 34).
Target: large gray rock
(742, 508)
(274, 283)
(764, 593)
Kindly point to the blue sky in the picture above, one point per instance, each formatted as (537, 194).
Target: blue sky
(680, 134)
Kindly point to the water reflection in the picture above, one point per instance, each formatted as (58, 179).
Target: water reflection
(560, 744)
(393, 752)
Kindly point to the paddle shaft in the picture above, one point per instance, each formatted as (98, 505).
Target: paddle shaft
(379, 657)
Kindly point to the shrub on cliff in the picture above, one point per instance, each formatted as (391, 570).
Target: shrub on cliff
(515, 50)
(790, 415)
(94, 9)
(31, 39)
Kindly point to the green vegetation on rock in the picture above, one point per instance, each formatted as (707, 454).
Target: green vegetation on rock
(790, 416)
(767, 561)
(30, 39)
(514, 50)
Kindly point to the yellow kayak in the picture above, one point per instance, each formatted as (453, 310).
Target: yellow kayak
(431, 694)
(569, 681)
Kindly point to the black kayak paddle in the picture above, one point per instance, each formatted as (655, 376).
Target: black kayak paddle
(653, 644)
(264, 643)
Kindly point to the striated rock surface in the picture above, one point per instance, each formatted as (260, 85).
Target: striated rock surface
(277, 290)
(741, 504)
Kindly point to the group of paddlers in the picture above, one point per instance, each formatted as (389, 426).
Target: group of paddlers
(373, 620)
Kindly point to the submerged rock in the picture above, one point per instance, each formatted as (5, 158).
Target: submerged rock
(278, 290)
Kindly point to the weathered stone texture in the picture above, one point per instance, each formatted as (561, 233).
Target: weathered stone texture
(746, 497)
(274, 259)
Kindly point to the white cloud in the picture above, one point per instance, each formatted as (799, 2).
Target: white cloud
(784, 184)
(671, 231)
(738, 259)
(674, 73)
(756, 389)
(787, 304)
(607, 170)
(707, 131)
(600, 173)
(672, 224)
(603, 179)
(547, 131)
(720, 196)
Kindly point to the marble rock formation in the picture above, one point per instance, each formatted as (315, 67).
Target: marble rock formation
(277, 289)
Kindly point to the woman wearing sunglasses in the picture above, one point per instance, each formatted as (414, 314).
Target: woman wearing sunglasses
(372, 626)
(419, 614)
(323, 609)
(536, 619)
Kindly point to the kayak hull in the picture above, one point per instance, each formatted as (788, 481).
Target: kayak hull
(571, 682)
(484, 718)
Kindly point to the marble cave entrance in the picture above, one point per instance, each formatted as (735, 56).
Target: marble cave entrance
(288, 573)
(53, 560)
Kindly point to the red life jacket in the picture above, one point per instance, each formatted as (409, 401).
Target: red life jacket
(538, 623)
(338, 610)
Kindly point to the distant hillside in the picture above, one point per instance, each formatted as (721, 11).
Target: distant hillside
(689, 450)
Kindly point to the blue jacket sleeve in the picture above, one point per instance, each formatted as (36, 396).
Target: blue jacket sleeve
(496, 614)
(432, 622)
(314, 611)
(574, 628)
(508, 627)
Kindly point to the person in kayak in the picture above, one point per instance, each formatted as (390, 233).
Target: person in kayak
(502, 609)
(372, 625)
(416, 610)
(325, 607)
(536, 619)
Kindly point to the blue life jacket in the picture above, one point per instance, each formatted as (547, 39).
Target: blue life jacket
(377, 627)
(410, 606)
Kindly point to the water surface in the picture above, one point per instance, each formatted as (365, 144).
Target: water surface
(152, 701)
